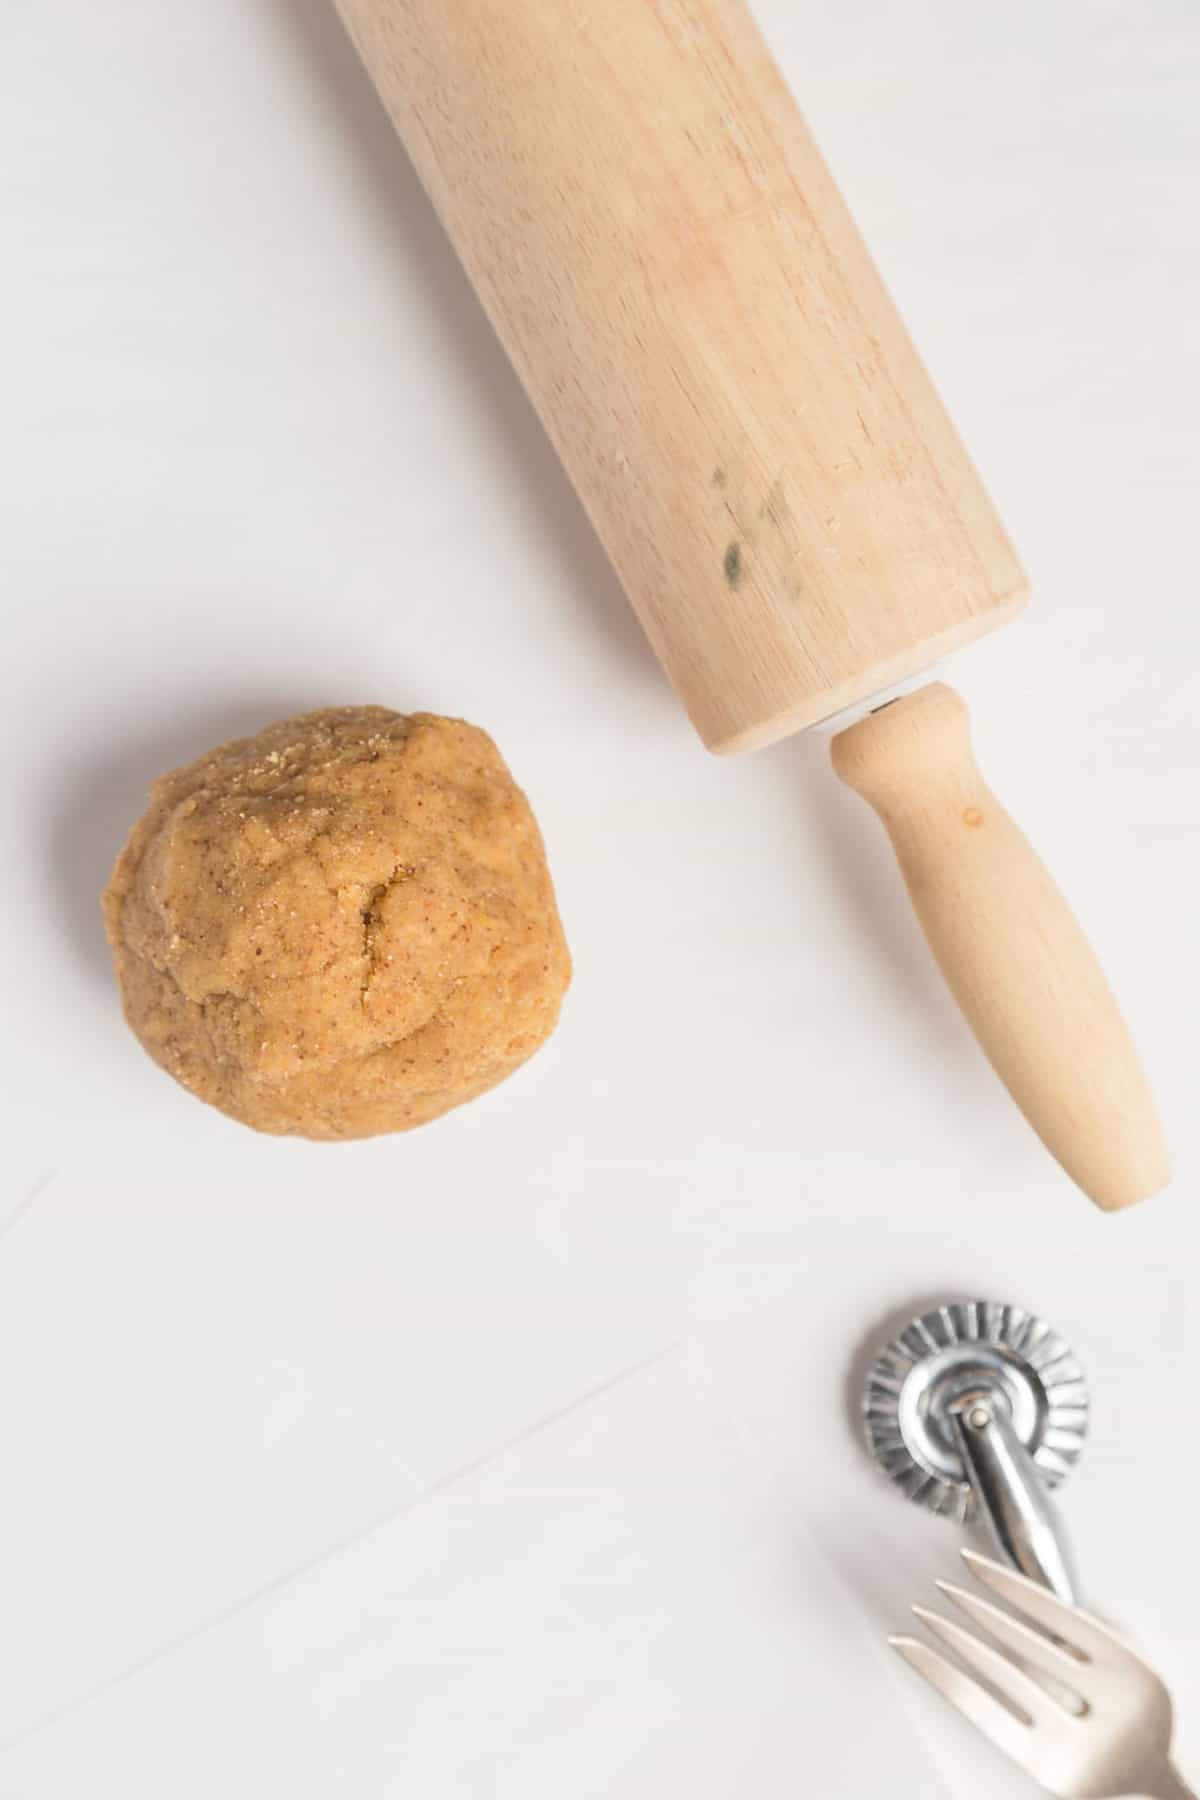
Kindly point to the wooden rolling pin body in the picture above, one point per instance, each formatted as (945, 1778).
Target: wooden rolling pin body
(661, 249)
(690, 306)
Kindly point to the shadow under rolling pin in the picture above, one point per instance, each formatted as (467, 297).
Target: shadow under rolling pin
(680, 286)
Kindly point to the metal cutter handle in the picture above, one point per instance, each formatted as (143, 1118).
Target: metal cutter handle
(1011, 1495)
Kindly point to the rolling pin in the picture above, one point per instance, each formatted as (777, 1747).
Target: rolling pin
(665, 257)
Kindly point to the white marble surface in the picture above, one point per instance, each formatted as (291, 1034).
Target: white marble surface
(369, 1434)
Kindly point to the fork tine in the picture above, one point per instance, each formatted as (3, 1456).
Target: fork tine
(1078, 1630)
(1051, 1658)
(992, 1666)
(967, 1697)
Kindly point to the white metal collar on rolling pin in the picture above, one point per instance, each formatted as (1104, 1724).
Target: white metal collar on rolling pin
(850, 715)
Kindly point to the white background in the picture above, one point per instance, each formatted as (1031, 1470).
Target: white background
(259, 452)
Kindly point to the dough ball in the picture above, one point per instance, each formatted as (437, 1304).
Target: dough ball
(342, 926)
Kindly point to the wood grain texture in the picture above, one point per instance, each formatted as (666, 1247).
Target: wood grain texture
(681, 288)
(1009, 946)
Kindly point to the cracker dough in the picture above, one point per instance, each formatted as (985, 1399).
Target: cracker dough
(342, 926)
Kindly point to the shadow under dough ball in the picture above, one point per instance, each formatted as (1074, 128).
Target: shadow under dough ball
(341, 926)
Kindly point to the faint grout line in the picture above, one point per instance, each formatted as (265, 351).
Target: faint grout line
(269, 1588)
(13, 1218)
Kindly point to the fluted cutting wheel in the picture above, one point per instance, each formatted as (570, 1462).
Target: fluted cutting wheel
(972, 1347)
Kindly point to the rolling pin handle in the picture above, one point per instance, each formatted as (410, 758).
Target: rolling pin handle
(1008, 945)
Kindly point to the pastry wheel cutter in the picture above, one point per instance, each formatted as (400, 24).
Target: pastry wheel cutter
(978, 1411)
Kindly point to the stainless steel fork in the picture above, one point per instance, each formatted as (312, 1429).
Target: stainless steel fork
(1101, 1730)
